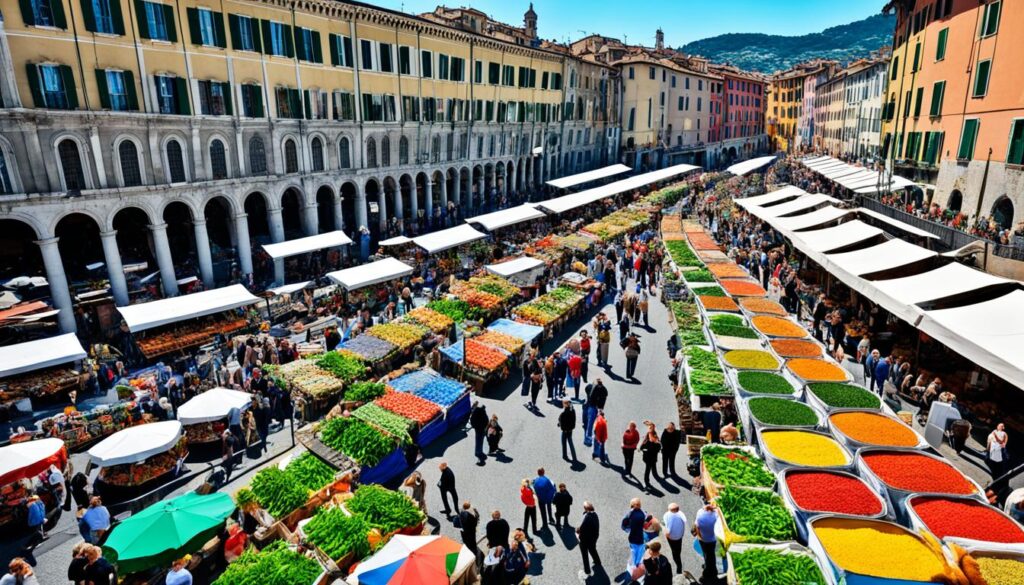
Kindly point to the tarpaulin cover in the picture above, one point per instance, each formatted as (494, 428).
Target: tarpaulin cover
(455, 351)
(516, 329)
(741, 168)
(449, 238)
(29, 459)
(801, 204)
(41, 353)
(135, 444)
(431, 432)
(289, 288)
(812, 219)
(214, 404)
(834, 238)
(386, 469)
(507, 217)
(906, 227)
(516, 266)
(787, 192)
(594, 175)
(884, 256)
(369, 274)
(413, 381)
(457, 414)
(156, 313)
(307, 244)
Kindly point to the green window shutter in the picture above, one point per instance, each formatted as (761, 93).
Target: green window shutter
(218, 26)
(307, 106)
(140, 16)
(981, 78)
(27, 15)
(332, 41)
(257, 100)
(88, 17)
(228, 101)
(35, 85)
(967, 139)
(300, 43)
(318, 51)
(265, 27)
(254, 33)
(67, 76)
(117, 16)
(193, 26)
(57, 8)
(295, 103)
(937, 93)
(917, 57)
(236, 31)
(104, 91)
(919, 102)
(940, 46)
(133, 95)
(172, 32)
(181, 96)
(289, 43)
(1016, 153)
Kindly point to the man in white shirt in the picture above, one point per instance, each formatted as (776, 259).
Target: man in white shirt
(674, 523)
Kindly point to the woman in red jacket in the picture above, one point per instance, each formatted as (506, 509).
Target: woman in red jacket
(600, 437)
(630, 440)
(529, 500)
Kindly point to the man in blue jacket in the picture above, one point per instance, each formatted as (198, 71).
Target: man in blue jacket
(545, 491)
(633, 525)
(881, 374)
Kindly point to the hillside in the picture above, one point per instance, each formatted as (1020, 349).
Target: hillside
(769, 53)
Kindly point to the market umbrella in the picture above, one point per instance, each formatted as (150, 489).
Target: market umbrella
(414, 560)
(166, 530)
(23, 460)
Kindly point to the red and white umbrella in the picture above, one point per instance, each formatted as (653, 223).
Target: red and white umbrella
(24, 460)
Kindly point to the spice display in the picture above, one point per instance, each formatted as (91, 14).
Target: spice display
(796, 348)
(368, 348)
(699, 275)
(409, 406)
(275, 564)
(782, 412)
(337, 534)
(435, 321)
(966, 519)
(385, 509)
(804, 448)
(702, 241)
(743, 288)
(682, 254)
(403, 335)
(395, 425)
(357, 439)
(914, 472)
(455, 309)
(997, 571)
(278, 492)
(874, 429)
(758, 516)
(718, 304)
(727, 270)
(345, 366)
(765, 566)
(826, 491)
(816, 370)
(735, 467)
(763, 383)
(844, 395)
(750, 359)
(879, 549)
(309, 471)
(504, 341)
(731, 326)
(777, 327)
(364, 391)
(763, 306)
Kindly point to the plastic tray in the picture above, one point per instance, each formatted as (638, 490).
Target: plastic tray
(778, 465)
(803, 515)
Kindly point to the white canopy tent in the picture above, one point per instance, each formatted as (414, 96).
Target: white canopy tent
(856, 178)
(885, 256)
(587, 177)
(41, 353)
(897, 183)
(289, 288)
(785, 193)
(574, 200)
(812, 159)
(308, 244)
(395, 241)
(369, 274)
(449, 238)
(135, 444)
(156, 313)
(212, 405)
(800, 204)
(516, 266)
(834, 238)
(809, 220)
(507, 217)
(905, 227)
(742, 168)
(864, 181)
(900, 296)
(17, 460)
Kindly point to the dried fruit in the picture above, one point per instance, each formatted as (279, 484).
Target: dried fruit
(816, 370)
(777, 326)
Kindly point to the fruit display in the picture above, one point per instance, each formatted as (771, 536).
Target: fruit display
(385, 509)
(780, 412)
(756, 516)
(574, 242)
(39, 384)
(504, 341)
(427, 317)
(763, 306)
(735, 467)
(201, 433)
(309, 471)
(796, 348)
(482, 357)
(763, 383)
(185, 336)
(276, 564)
(816, 370)
(880, 549)
(749, 359)
(831, 492)
(682, 254)
(495, 285)
(475, 298)
(409, 406)
(996, 570)
(368, 348)
(727, 270)
(718, 304)
(278, 492)
(357, 439)
(872, 428)
(743, 288)
(304, 376)
(455, 309)
(364, 391)
(835, 395)
(730, 326)
(338, 534)
(393, 424)
(700, 275)
(777, 327)
(617, 223)
(134, 474)
(917, 473)
(766, 566)
(965, 518)
(403, 335)
(549, 307)
(803, 448)
(345, 366)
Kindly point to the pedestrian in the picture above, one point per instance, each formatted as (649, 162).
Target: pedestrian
(447, 486)
(600, 438)
(567, 422)
(19, 572)
(262, 415)
(498, 530)
(650, 449)
(559, 374)
(416, 489)
(630, 441)
(36, 517)
(604, 339)
(575, 373)
(493, 570)
(469, 518)
(642, 307)
(704, 530)
(179, 575)
(76, 570)
(671, 438)
(657, 570)
(996, 450)
(584, 356)
(674, 524)
(516, 563)
(98, 571)
(881, 374)
(632, 351)
(869, 368)
(478, 420)
(528, 357)
(97, 519)
(228, 447)
(529, 499)
(79, 483)
(633, 525)
(618, 307)
(652, 528)
(536, 379)
(494, 434)
(587, 534)
(623, 329)
(589, 414)
(549, 376)
(545, 491)
(563, 505)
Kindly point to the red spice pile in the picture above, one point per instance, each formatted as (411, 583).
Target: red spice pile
(947, 517)
(917, 473)
(822, 491)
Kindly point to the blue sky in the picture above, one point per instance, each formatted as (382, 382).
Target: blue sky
(682, 20)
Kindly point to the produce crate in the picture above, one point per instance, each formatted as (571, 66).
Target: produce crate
(729, 538)
(754, 426)
(458, 413)
(694, 444)
(786, 549)
(431, 431)
(916, 523)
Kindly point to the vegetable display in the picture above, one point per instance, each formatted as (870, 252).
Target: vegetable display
(483, 357)
(777, 326)
(365, 391)
(796, 348)
(306, 376)
(879, 549)
(765, 566)
(309, 471)
(966, 519)
(455, 309)
(548, 307)
(357, 439)
(826, 491)
(682, 254)
(873, 428)
(385, 509)
(759, 516)
(816, 370)
(709, 291)
(369, 348)
(391, 423)
(763, 383)
(702, 241)
(706, 376)
(742, 288)
(782, 412)
(804, 448)
(409, 406)
(337, 534)
(735, 467)
(276, 564)
(731, 326)
(427, 317)
(403, 335)
(998, 571)
(750, 359)
(763, 306)
(844, 395)
(698, 276)
(727, 270)
(278, 492)
(345, 366)
(718, 304)
(914, 472)
(689, 326)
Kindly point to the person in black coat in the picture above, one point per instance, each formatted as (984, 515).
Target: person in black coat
(587, 533)
(599, 395)
(671, 438)
(497, 531)
(469, 518)
(563, 504)
(478, 419)
(657, 569)
(447, 486)
(567, 422)
(650, 449)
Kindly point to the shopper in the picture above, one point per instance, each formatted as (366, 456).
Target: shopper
(98, 571)
(998, 458)
(478, 420)
(633, 525)
(587, 533)
(494, 434)
(632, 351)
(497, 530)
(529, 499)
(76, 570)
(516, 563)
(704, 530)
(416, 489)
(545, 491)
(674, 524)
(657, 570)
(630, 441)
(179, 575)
(19, 572)
(563, 506)
(600, 438)
(97, 519)
(469, 518)
(671, 438)
(567, 424)
(447, 486)
(650, 449)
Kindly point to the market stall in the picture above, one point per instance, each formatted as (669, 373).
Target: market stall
(447, 239)
(281, 251)
(135, 460)
(79, 429)
(204, 416)
(477, 362)
(19, 463)
(507, 217)
(38, 372)
(523, 270)
(370, 274)
(451, 396)
(551, 310)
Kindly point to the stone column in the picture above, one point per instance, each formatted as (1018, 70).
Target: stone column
(164, 259)
(312, 223)
(339, 217)
(399, 204)
(382, 205)
(279, 271)
(414, 200)
(444, 190)
(115, 270)
(481, 193)
(244, 248)
(457, 189)
(504, 182)
(203, 252)
(276, 224)
(361, 211)
(429, 200)
(58, 283)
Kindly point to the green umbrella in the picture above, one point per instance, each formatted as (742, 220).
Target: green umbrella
(166, 530)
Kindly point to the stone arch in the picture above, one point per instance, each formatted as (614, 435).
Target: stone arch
(130, 172)
(1002, 212)
(955, 201)
(439, 178)
(349, 193)
(375, 219)
(19, 255)
(72, 155)
(421, 192)
(138, 203)
(179, 216)
(79, 243)
(219, 213)
(257, 207)
(325, 209)
(10, 179)
(292, 202)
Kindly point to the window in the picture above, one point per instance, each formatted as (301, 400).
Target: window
(458, 72)
(386, 59)
(940, 46)
(371, 153)
(673, 80)
(53, 86)
(252, 101)
(175, 162)
(968, 138)
(435, 149)
(895, 67)
(442, 66)
(919, 102)
(1015, 156)
(938, 90)
(156, 22)
(71, 165)
(981, 78)
(426, 64)
(493, 73)
(478, 72)
(206, 27)
(103, 16)
(344, 106)
(215, 98)
(245, 33)
(385, 152)
(291, 157)
(316, 151)
(344, 153)
(289, 103)
(680, 106)
(5, 176)
(280, 39)
(631, 72)
(544, 80)
(307, 45)
(218, 160)
(932, 147)
(257, 156)
(117, 90)
(128, 156)
(917, 58)
(990, 21)
(404, 61)
(341, 50)
(651, 72)
(508, 75)
(403, 151)
(632, 120)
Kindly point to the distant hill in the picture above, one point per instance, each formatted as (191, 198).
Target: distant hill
(769, 53)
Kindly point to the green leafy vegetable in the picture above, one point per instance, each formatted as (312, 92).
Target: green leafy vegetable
(344, 366)
(277, 492)
(365, 391)
(357, 439)
(763, 383)
(765, 566)
(338, 534)
(276, 564)
(781, 412)
(384, 509)
(735, 467)
(309, 471)
(837, 395)
(757, 515)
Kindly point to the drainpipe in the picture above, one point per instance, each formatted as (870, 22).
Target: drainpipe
(984, 182)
